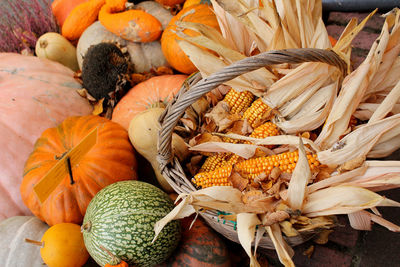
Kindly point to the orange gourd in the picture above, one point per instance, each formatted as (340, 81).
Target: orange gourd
(81, 17)
(146, 94)
(62, 8)
(170, 2)
(189, 3)
(110, 160)
(173, 53)
(132, 25)
(63, 246)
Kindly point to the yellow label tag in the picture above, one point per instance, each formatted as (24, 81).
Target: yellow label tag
(64, 166)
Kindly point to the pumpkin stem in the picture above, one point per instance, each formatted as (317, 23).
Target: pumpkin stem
(43, 43)
(86, 227)
(36, 243)
(114, 259)
(70, 170)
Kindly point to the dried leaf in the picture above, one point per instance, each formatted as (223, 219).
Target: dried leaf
(288, 229)
(190, 123)
(246, 227)
(343, 200)
(351, 164)
(270, 218)
(297, 191)
(203, 138)
(359, 142)
(308, 252)
(238, 181)
(252, 195)
(323, 237)
(98, 107)
(284, 251)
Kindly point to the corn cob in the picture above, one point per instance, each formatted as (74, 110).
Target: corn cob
(265, 130)
(238, 101)
(213, 162)
(256, 113)
(218, 177)
(251, 168)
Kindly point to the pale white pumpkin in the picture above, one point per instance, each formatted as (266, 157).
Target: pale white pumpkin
(143, 56)
(14, 251)
(56, 47)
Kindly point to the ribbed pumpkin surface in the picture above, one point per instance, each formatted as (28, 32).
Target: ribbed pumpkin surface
(110, 160)
(121, 218)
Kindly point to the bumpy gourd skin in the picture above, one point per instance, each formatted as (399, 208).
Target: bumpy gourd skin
(121, 218)
(103, 68)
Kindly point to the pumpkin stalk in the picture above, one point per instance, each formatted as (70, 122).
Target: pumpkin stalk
(34, 242)
(69, 168)
(86, 227)
(114, 260)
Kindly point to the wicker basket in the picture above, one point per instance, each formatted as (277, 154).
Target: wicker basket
(192, 90)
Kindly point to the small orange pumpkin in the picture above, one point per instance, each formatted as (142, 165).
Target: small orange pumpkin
(63, 246)
(173, 53)
(110, 160)
(146, 94)
(132, 25)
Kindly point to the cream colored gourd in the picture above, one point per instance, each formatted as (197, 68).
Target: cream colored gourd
(143, 133)
(56, 47)
(14, 250)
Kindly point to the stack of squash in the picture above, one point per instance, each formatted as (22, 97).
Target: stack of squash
(75, 170)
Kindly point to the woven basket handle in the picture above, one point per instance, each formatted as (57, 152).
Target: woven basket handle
(186, 98)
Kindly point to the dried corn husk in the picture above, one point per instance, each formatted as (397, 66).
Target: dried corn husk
(297, 191)
(360, 142)
(355, 86)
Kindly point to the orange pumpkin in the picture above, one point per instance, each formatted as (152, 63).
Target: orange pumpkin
(173, 53)
(146, 94)
(132, 25)
(110, 160)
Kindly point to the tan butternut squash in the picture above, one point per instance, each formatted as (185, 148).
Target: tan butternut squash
(143, 133)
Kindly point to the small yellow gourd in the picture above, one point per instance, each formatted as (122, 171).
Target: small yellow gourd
(62, 245)
(54, 46)
(143, 133)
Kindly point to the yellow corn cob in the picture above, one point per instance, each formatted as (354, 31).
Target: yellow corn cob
(213, 162)
(255, 114)
(218, 177)
(265, 130)
(220, 159)
(251, 168)
(238, 101)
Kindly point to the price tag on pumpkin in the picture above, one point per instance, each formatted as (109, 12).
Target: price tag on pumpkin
(53, 178)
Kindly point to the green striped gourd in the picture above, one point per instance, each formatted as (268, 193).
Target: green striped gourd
(121, 218)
